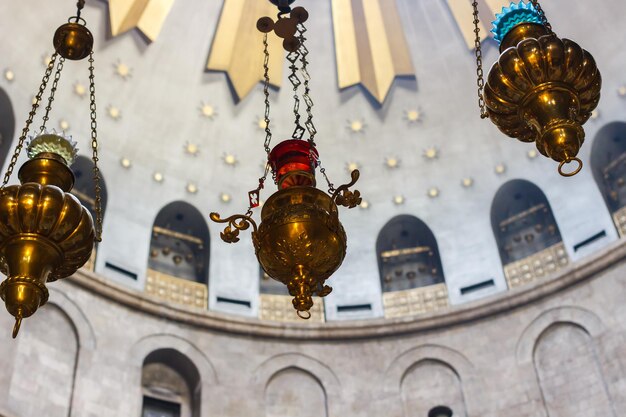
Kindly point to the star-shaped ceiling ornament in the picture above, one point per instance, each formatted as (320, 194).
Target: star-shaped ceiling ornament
(532, 154)
(595, 114)
(467, 182)
(500, 169)
(158, 177)
(230, 159)
(433, 192)
(122, 70)
(9, 75)
(225, 198)
(621, 91)
(398, 200)
(114, 112)
(80, 90)
(351, 166)
(356, 126)
(192, 149)
(364, 204)
(46, 60)
(261, 123)
(64, 125)
(413, 116)
(207, 111)
(392, 162)
(192, 188)
(431, 153)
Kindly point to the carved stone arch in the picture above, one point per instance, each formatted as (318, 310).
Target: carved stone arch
(579, 316)
(450, 362)
(154, 342)
(319, 370)
(398, 368)
(83, 328)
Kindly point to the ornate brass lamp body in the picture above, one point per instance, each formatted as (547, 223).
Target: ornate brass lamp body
(542, 88)
(300, 241)
(45, 232)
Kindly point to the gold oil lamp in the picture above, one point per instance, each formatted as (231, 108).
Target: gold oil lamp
(543, 88)
(300, 241)
(45, 232)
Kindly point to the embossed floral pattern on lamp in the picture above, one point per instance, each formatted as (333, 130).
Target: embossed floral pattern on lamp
(300, 241)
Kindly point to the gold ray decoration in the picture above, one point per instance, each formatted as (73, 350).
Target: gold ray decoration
(146, 15)
(462, 12)
(370, 45)
(237, 46)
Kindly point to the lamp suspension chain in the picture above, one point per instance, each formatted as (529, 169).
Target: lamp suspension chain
(293, 57)
(29, 120)
(542, 14)
(94, 148)
(266, 92)
(53, 90)
(79, 7)
(307, 77)
(480, 82)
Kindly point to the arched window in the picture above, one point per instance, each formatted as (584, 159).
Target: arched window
(84, 189)
(528, 238)
(608, 164)
(275, 302)
(408, 260)
(170, 385)
(7, 126)
(440, 411)
(178, 265)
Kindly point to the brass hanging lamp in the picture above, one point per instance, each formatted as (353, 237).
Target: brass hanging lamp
(300, 241)
(45, 232)
(543, 88)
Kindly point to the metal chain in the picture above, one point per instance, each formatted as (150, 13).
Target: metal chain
(293, 57)
(268, 131)
(542, 14)
(79, 6)
(29, 120)
(94, 148)
(480, 82)
(307, 77)
(266, 92)
(53, 90)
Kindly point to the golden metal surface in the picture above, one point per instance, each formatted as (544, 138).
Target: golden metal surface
(176, 290)
(536, 266)
(172, 233)
(402, 252)
(370, 45)
(275, 307)
(146, 15)
(462, 10)
(73, 41)
(233, 50)
(45, 234)
(415, 301)
(300, 241)
(543, 89)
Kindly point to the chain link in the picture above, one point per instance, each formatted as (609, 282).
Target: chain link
(542, 14)
(53, 90)
(293, 57)
(307, 77)
(94, 148)
(480, 82)
(266, 92)
(29, 120)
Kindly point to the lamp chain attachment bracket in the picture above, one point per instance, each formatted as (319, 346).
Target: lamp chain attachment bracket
(344, 197)
(29, 120)
(236, 223)
(478, 51)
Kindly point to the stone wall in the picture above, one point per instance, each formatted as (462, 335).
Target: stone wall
(556, 347)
